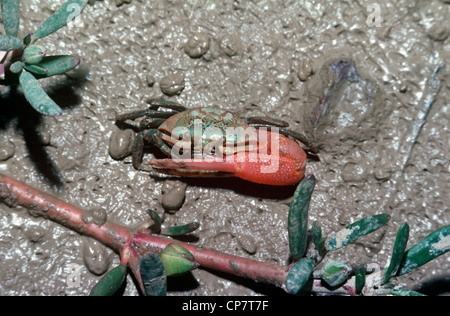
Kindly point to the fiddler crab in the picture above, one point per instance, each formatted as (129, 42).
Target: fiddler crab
(209, 142)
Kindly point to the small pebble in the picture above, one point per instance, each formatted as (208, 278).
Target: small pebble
(150, 80)
(403, 88)
(97, 217)
(172, 84)
(174, 194)
(305, 69)
(95, 256)
(197, 45)
(120, 2)
(355, 172)
(35, 234)
(7, 150)
(248, 244)
(121, 144)
(231, 45)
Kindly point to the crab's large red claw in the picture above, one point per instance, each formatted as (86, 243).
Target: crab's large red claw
(284, 166)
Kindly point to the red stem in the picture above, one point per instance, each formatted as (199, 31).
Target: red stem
(206, 258)
(123, 241)
(16, 193)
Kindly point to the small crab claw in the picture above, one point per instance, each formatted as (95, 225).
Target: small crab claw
(284, 166)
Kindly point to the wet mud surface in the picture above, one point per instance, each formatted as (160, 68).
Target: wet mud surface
(374, 99)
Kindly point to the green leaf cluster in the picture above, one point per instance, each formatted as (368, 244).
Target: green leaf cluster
(334, 273)
(154, 269)
(27, 61)
(170, 231)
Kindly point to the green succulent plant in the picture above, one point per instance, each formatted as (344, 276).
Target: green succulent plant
(335, 273)
(23, 62)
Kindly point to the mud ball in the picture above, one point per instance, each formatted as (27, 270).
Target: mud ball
(305, 69)
(97, 217)
(248, 244)
(174, 194)
(172, 84)
(231, 45)
(121, 144)
(7, 150)
(120, 2)
(95, 256)
(197, 45)
(150, 80)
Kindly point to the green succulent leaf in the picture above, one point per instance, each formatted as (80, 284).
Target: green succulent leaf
(68, 12)
(33, 54)
(335, 272)
(36, 70)
(397, 254)
(298, 217)
(156, 219)
(177, 260)
(434, 245)
(17, 67)
(27, 39)
(36, 96)
(153, 275)
(180, 230)
(298, 275)
(318, 240)
(354, 231)
(110, 282)
(405, 292)
(11, 16)
(360, 279)
(53, 65)
(10, 43)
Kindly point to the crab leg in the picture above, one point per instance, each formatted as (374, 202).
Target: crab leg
(301, 138)
(151, 136)
(131, 115)
(161, 103)
(151, 113)
(265, 121)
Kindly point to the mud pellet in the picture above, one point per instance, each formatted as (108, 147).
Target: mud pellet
(197, 45)
(174, 194)
(305, 69)
(97, 217)
(231, 45)
(120, 2)
(150, 80)
(247, 244)
(7, 150)
(95, 256)
(172, 84)
(121, 144)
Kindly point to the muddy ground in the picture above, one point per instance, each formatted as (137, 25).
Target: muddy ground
(255, 58)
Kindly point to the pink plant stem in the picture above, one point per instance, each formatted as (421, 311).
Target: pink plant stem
(206, 258)
(14, 193)
(124, 242)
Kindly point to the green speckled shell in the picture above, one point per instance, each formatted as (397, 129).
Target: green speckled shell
(214, 124)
